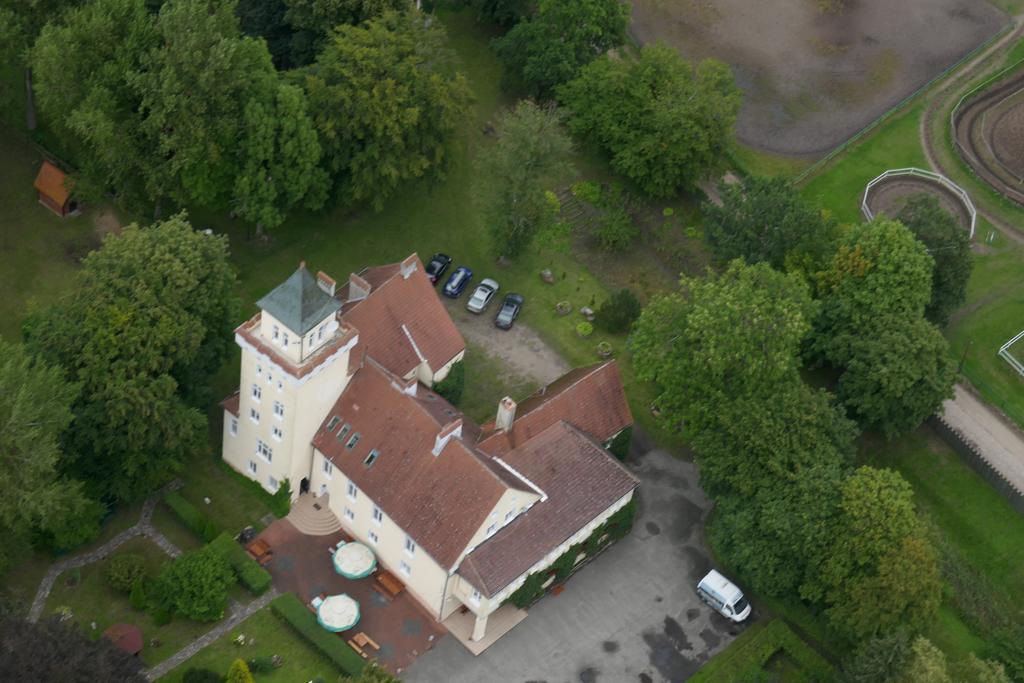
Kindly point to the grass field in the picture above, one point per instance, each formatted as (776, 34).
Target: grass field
(92, 600)
(269, 637)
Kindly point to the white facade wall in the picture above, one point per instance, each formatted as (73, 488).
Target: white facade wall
(426, 579)
(430, 377)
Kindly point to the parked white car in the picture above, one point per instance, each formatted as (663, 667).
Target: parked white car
(482, 295)
(723, 596)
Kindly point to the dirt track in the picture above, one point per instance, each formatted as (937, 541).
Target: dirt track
(810, 78)
(888, 197)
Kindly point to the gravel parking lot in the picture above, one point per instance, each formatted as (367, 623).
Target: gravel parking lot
(630, 615)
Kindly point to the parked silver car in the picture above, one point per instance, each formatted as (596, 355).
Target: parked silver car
(482, 295)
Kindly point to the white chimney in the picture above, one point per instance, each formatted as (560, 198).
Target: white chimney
(453, 428)
(408, 266)
(325, 282)
(358, 288)
(506, 414)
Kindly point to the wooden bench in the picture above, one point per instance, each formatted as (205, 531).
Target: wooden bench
(389, 583)
(358, 649)
(364, 640)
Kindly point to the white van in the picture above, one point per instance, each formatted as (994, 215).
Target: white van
(723, 596)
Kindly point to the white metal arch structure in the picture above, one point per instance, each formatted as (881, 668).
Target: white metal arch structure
(942, 180)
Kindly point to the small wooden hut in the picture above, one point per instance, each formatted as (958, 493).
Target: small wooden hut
(127, 637)
(53, 190)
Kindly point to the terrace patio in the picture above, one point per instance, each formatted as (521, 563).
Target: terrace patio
(302, 565)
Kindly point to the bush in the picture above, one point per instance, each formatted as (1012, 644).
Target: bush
(123, 571)
(291, 611)
(239, 672)
(450, 388)
(616, 230)
(195, 585)
(250, 574)
(584, 329)
(281, 501)
(196, 522)
(137, 597)
(201, 676)
(618, 312)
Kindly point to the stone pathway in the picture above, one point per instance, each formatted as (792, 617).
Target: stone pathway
(236, 615)
(143, 527)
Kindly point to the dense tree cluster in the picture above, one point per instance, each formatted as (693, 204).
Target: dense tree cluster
(175, 103)
(51, 651)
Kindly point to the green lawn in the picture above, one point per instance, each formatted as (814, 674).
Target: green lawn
(167, 523)
(92, 600)
(270, 637)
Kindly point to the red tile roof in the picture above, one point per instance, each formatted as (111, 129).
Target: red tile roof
(51, 181)
(402, 321)
(440, 501)
(590, 398)
(230, 404)
(581, 480)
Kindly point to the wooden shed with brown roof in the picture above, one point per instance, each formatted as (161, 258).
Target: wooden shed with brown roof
(53, 187)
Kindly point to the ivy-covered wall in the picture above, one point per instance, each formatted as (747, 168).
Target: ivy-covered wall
(614, 528)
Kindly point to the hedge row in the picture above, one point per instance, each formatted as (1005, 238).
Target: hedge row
(291, 611)
(197, 522)
(748, 654)
(250, 574)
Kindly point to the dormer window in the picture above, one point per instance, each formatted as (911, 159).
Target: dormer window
(333, 423)
(372, 457)
(353, 441)
(343, 432)
(491, 529)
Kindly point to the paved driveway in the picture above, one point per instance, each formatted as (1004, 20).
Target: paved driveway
(630, 615)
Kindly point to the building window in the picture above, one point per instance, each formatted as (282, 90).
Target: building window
(320, 333)
(371, 458)
(257, 393)
(252, 466)
(284, 340)
(343, 432)
(310, 342)
(272, 483)
(410, 546)
(276, 333)
(475, 598)
(280, 385)
(352, 491)
(328, 468)
(254, 415)
(374, 538)
(264, 450)
(278, 409)
(333, 423)
(276, 431)
(404, 568)
(259, 370)
(508, 515)
(348, 513)
(353, 441)
(234, 426)
(270, 378)
(378, 516)
(491, 529)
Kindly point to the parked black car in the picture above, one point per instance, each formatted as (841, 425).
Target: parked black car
(509, 311)
(438, 265)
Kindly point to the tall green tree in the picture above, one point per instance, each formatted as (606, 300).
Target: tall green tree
(550, 48)
(84, 64)
(665, 124)
(881, 572)
(386, 100)
(898, 375)
(720, 338)
(49, 650)
(531, 152)
(142, 330)
(35, 410)
(501, 12)
(279, 159)
(766, 219)
(880, 269)
(312, 21)
(194, 89)
(949, 245)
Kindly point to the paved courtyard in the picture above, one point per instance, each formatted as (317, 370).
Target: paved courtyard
(631, 615)
(302, 565)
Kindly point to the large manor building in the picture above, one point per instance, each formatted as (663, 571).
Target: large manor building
(335, 397)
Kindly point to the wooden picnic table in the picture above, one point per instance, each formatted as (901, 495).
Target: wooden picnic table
(259, 549)
(364, 640)
(389, 583)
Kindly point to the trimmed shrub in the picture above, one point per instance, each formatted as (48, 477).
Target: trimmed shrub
(584, 329)
(196, 522)
(450, 388)
(619, 445)
(123, 571)
(239, 672)
(291, 611)
(618, 312)
(261, 665)
(137, 597)
(201, 676)
(281, 501)
(250, 574)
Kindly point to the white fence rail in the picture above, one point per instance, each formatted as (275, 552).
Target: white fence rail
(927, 175)
(1004, 352)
